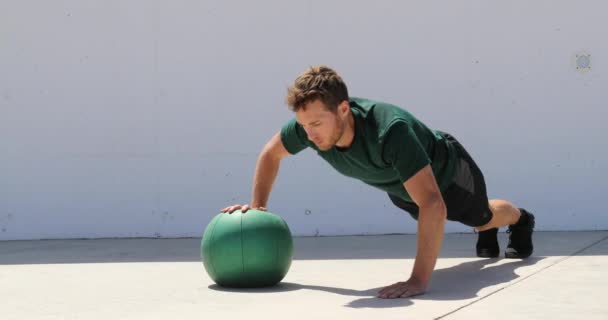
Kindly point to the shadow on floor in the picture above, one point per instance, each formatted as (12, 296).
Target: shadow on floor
(460, 282)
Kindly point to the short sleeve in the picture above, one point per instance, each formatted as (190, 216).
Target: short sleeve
(403, 151)
(294, 137)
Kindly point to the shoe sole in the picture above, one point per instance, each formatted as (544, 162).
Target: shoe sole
(486, 253)
(516, 255)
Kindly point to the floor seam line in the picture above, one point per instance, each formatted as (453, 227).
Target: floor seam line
(524, 278)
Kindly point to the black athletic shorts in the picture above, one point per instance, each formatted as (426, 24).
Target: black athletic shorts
(465, 198)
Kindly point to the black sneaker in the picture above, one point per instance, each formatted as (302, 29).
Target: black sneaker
(520, 238)
(487, 244)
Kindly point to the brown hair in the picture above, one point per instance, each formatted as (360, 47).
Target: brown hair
(317, 83)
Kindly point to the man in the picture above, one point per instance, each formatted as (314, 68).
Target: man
(428, 173)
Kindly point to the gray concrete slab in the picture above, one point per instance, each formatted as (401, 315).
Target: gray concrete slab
(331, 277)
(571, 288)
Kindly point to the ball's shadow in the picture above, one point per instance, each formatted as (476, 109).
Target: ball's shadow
(460, 282)
(366, 297)
(280, 287)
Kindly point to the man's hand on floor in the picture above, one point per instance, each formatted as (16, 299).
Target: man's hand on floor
(403, 289)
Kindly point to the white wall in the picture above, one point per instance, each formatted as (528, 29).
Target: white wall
(144, 118)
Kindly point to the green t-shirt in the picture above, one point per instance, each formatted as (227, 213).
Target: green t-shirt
(390, 145)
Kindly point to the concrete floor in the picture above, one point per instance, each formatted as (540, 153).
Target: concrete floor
(330, 278)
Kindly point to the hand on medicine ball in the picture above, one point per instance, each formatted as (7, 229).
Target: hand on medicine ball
(243, 208)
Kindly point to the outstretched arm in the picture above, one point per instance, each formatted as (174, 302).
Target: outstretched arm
(266, 171)
(423, 189)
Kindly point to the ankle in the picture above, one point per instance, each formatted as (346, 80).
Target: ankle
(489, 231)
(523, 217)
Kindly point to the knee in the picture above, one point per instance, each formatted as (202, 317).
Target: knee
(490, 224)
(499, 204)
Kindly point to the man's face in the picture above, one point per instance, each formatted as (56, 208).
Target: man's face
(323, 127)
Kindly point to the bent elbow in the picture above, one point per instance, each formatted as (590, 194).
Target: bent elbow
(436, 206)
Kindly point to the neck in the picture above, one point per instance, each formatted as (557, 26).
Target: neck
(349, 133)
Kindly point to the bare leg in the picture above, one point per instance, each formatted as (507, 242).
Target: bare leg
(504, 213)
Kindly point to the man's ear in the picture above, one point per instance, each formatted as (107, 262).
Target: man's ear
(344, 107)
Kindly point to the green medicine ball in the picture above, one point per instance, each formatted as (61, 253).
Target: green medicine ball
(247, 250)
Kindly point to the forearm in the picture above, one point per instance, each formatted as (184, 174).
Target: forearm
(431, 222)
(266, 171)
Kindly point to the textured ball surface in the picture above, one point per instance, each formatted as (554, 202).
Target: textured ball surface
(244, 250)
